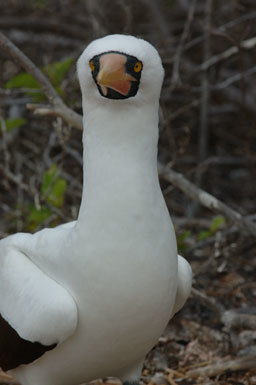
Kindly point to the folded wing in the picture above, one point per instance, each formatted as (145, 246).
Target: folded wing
(184, 284)
(36, 312)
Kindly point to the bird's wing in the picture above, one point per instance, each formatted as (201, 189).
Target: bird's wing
(36, 312)
(184, 284)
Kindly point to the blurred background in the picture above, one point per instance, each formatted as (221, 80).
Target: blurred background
(207, 133)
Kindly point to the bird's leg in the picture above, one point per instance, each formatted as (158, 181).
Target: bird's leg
(131, 375)
(133, 382)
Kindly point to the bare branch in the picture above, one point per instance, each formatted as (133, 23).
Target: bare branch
(63, 111)
(219, 86)
(94, 11)
(182, 110)
(68, 115)
(233, 319)
(202, 141)
(205, 95)
(209, 301)
(205, 198)
(38, 24)
(222, 28)
(246, 44)
(176, 62)
(14, 178)
(127, 11)
(233, 79)
(160, 20)
(30, 67)
(4, 145)
(243, 363)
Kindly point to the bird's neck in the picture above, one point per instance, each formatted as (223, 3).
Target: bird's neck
(120, 157)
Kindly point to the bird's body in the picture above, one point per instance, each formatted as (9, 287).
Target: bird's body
(115, 269)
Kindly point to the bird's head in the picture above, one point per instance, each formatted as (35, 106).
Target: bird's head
(120, 68)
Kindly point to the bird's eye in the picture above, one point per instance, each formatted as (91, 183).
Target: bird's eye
(138, 66)
(92, 65)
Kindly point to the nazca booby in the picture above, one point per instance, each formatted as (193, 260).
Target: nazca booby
(90, 298)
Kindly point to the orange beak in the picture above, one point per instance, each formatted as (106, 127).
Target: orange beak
(112, 74)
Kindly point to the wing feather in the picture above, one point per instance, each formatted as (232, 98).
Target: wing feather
(184, 284)
(33, 304)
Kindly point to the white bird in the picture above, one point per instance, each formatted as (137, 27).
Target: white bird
(90, 298)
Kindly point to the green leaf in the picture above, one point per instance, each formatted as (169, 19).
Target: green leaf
(53, 187)
(54, 71)
(57, 71)
(13, 123)
(56, 196)
(217, 222)
(41, 4)
(36, 217)
(49, 177)
(204, 234)
(170, 3)
(22, 80)
(181, 240)
(25, 80)
(183, 236)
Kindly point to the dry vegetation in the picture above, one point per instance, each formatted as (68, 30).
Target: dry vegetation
(207, 133)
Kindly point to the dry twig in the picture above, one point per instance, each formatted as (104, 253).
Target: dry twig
(176, 61)
(223, 28)
(65, 112)
(233, 79)
(17, 179)
(206, 199)
(205, 94)
(4, 144)
(233, 319)
(209, 301)
(243, 363)
(38, 25)
(160, 20)
(246, 44)
(56, 111)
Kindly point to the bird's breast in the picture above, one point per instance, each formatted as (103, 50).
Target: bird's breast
(127, 274)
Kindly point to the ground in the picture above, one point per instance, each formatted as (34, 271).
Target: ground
(207, 133)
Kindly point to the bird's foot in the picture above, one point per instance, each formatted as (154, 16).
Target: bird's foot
(131, 383)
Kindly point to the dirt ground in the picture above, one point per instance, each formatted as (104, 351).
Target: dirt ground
(207, 133)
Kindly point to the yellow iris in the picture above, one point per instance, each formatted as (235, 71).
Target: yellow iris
(138, 66)
(91, 64)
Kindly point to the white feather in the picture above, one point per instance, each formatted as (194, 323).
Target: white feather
(119, 260)
(184, 284)
(38, 308)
